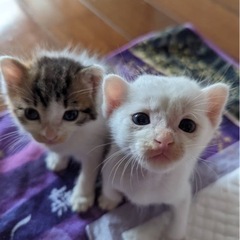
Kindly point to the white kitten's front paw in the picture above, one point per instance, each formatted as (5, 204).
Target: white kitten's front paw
(80, 202)
(171, 235)
(107, 204)
(55, 162)
(169, 238)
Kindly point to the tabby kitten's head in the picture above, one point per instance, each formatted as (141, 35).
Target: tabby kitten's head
(51, 96)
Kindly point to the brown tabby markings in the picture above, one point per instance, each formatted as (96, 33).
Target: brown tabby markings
(54, 79)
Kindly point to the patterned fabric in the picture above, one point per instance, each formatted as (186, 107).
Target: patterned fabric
(214, 214)
(34, 201)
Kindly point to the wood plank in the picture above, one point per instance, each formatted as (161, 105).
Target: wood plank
(19, 34)
(131, 18)
(232, 5)
(71, 22)
(216, 23)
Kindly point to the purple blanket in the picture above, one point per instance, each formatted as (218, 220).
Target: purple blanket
(34, 201)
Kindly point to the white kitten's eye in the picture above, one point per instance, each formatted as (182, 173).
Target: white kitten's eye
(70, 115)
(140, 118)
(31, 114)
(187, 125)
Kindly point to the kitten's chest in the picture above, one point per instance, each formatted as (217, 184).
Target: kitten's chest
(85, 143)
(144, 188)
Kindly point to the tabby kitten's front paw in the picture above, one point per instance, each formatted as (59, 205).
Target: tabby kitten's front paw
(81, 202)
(108, 204)
(56, 163)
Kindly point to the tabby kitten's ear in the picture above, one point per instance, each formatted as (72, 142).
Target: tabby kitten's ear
(93, 74)
(217, 95)
(114, 93)
(14, 72)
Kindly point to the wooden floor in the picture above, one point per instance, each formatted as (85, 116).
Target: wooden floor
(104, 25)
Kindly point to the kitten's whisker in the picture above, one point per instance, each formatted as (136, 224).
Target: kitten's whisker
(197, 186)
(129, 160)
(141, 160)
(101, 145)
(14, 143)
(8, 135)
(117, 165)
(132, 169)
(88, 90)
(109, 158)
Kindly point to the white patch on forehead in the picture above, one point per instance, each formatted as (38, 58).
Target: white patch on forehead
(159, 93)
(54, 113)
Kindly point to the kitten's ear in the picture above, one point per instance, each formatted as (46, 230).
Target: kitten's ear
(13, 71)
(217, 96)
(114, 92)
(93, 74)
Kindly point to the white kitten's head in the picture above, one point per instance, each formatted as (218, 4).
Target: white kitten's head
(50, 97)
(162, 121)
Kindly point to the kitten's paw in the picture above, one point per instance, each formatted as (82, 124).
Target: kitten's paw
(169, 235)
(169, 238)
(81, 203)
(56, 163)
(108, 204)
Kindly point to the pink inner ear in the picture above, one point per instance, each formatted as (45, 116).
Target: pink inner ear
(93, 75)
(115, 90)
(13, 71)
(217, 98)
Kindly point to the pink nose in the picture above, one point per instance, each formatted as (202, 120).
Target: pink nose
(50, 134)
(164, 140)
(51, 138)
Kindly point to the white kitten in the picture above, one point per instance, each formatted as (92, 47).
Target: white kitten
(159, 126)
(56, 97)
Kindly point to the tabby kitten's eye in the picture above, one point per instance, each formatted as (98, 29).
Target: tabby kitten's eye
(140, 118)
(187, 125)
(31, 114)
(87, 110)
(70, 115)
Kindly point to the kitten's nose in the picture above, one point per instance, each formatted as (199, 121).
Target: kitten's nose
(164, 140)
(50, 134)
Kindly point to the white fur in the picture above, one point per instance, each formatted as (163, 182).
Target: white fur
(86, 146)
(127, 170)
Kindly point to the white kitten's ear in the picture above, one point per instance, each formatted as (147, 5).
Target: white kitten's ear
(14, 72)
(114, 92)
(217, 96)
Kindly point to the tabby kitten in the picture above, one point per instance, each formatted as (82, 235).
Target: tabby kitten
(55, 99)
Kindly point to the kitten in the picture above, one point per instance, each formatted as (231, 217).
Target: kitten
(55, 98)
(159, 126)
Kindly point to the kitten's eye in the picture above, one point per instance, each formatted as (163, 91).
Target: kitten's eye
(141, 118)
(31, 114)
(87, 110)
(187, 125)
(70, 115)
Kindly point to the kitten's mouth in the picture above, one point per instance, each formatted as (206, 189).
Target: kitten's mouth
(158, 156)
(50, 142)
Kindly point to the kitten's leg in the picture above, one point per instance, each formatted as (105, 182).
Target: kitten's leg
(178, 225)
(110, 197)
(84, 191)
(55, 162)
